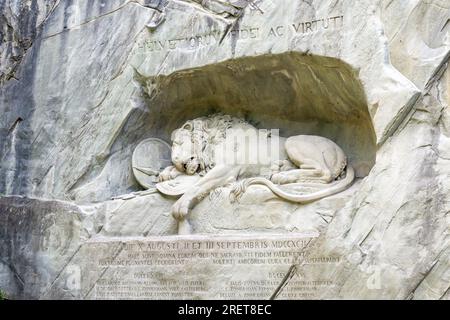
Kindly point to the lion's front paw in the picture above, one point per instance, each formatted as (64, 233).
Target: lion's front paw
(164, 176)
(169, 173)
(237, 191)
(181, 208)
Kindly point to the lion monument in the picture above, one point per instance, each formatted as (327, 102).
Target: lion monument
(221, 150)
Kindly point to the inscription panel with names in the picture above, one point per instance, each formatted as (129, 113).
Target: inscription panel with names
(201, 267)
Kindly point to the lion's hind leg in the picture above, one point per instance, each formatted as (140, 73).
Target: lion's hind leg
(298, 175)
(304, 152)
(282, 165)
(308, 170)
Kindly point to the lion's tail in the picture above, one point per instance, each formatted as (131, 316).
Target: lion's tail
(339, 186)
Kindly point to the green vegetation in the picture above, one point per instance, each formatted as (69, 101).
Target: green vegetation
(2, 295)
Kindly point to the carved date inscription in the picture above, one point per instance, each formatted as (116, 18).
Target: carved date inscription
(201, 267)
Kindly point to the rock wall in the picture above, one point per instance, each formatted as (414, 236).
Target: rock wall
(83, 82)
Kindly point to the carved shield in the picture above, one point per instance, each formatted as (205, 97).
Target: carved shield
(149, 158)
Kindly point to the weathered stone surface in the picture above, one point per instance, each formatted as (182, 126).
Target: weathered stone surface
(181, 267)
(83, 82)
(38, 239)
(21, 22)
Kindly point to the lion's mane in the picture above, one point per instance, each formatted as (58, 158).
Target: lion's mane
(206, 133)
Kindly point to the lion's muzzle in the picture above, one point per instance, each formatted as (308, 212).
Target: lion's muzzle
(190, 166)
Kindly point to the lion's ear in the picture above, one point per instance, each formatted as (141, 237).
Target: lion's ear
(188, 126)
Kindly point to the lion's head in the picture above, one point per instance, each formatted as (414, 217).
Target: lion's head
(193, 144)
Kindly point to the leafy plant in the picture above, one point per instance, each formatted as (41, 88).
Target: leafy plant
(2, 295)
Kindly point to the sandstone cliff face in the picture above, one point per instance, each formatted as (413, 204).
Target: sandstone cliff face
(82, 82)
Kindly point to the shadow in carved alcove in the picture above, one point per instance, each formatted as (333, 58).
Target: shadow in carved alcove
(298, 94)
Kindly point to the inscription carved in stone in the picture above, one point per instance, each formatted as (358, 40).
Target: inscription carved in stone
(145, 268)
(224, 149)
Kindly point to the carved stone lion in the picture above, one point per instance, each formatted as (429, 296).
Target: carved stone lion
(203, 147)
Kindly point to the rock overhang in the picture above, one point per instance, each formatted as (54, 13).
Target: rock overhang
(353, 34)
(291, 92)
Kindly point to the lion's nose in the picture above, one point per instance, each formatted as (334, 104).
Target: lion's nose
(178, 164)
